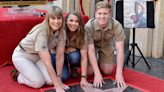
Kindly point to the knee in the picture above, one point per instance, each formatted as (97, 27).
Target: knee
(73, 57)
(65, 73)
(89, 71)
(107, 71)
(73, 60)
(65, 78)
(38, 83)
(48, 81)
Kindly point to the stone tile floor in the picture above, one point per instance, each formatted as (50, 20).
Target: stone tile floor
(156, 65)
(107, 87)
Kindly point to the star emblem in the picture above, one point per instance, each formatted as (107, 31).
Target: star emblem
(106, 90)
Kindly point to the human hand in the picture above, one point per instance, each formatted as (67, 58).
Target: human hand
(63, 85)
(98, 81)
(84, 82)
(59, 89)
(69, 49)
(120, 80)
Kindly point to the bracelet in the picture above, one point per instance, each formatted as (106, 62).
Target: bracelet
(84, 76)
(59, 76)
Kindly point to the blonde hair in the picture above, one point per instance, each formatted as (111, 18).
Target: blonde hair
(54, 10)
(102, 4)
(80, 30)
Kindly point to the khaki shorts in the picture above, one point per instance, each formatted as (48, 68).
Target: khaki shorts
(104, 59)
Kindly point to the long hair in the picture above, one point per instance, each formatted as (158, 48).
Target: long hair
(45, 26)
(80, 30)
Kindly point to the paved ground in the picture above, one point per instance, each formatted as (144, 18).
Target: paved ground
(156, 65)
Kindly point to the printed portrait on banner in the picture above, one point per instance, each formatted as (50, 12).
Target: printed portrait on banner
(135, 14)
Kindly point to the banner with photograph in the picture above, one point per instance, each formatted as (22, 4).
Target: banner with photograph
(135, 14)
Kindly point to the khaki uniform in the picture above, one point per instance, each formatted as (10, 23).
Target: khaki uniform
(102, 38)
(72, 42)
(40, 44)
(32, 70)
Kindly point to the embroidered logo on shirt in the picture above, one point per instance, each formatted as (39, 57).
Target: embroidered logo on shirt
(44, 44)
(57, 37)
(97, 36)
(109, 33)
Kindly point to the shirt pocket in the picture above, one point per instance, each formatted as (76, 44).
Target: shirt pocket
(97, 38)
(53, 43)
(108, 36)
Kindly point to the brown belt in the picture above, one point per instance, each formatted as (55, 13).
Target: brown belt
(25, 50)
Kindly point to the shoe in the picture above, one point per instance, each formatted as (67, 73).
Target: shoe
(14, 74)
(74, 73)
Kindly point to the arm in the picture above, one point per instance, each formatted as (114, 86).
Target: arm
(120, 56)
(142, 7)
(98, 80)
(45, 56)
(59, 65)
(136, 9)
(84, 64)
(59, 60)
(92, 59)
(137, 24)
(120, 61)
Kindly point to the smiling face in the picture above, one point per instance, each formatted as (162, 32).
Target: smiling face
(134, 17)
(72, 23)
(55, 22)
(102, 15)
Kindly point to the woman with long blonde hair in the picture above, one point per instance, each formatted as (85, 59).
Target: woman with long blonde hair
(31, 58)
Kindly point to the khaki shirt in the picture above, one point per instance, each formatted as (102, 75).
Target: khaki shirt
(72, 42)
(102, 38)
(40, 44)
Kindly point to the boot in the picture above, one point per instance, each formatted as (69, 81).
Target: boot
(74, 73)
(14, 74)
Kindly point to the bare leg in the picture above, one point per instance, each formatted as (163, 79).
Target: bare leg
(89, 71)
(106, 68)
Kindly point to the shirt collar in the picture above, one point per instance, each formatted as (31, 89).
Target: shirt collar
(73, 37)
(109, 26)
(55, 33)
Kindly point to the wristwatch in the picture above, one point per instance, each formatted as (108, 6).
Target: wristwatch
(84, 76)
(59, 76)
